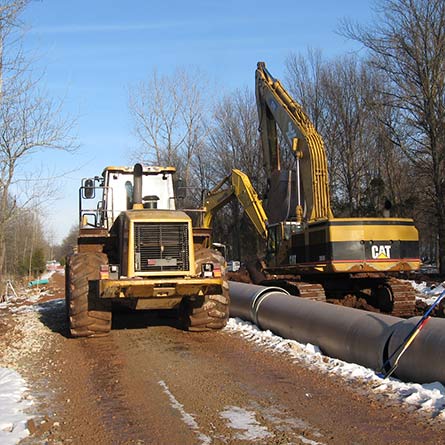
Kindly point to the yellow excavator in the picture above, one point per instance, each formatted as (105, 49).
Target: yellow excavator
(308, 248)
(309, 251)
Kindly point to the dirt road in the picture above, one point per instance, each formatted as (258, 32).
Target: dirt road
(151, 383)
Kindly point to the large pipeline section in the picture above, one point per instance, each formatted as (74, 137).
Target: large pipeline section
(352, 335)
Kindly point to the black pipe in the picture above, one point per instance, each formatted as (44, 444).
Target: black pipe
(424, 360)
(348, 334)
(352, 335)
(345, 333)
(246, 296)
(137, 186)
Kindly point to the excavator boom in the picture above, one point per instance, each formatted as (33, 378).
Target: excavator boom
(236, 185)
(277, 108)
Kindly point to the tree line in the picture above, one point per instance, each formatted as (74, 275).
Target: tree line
(30, 124)
(380, 112)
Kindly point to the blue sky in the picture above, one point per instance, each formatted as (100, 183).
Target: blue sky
(92, 51)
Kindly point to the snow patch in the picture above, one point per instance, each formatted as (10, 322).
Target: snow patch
(50, 305)
(429, 293)
(432, 292)
(187, 418)
(47, 275)
(242, 419)
(30, 336)
(429, 398)
(308, 441)
(12, 405)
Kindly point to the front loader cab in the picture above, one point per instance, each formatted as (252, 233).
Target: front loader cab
(103, 199)
(136, 250)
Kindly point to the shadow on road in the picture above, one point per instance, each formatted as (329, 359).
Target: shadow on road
(53, 315)
(127, 319)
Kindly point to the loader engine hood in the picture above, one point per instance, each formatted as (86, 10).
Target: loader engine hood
(156, 243)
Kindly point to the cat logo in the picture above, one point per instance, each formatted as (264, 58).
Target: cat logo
(380, 252)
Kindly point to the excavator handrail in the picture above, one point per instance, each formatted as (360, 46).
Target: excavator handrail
(238, 186)
(276, 107)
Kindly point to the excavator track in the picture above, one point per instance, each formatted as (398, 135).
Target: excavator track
(302, 289)
(404, 298)
(392, 296)
(388, 295)
(382, 294)
(313, 291)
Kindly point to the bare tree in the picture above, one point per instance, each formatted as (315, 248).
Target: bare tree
(10, 11)
(336, 95)
(169, 119)
(155, 111)
(407, 45)
(349, 130)
(234, 138)
(304, 75)
(29, 121)
(234, 143)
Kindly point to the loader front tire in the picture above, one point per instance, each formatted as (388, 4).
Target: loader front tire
(209, 312)
(206, 313)
(87, 315)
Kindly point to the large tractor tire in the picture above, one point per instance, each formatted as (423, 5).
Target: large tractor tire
(87, 315)
(209, 312)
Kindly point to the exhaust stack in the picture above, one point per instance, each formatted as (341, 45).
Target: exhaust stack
(137, 187)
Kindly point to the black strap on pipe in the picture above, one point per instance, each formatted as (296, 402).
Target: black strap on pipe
(386, 370)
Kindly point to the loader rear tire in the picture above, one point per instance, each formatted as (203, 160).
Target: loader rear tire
(87, 315)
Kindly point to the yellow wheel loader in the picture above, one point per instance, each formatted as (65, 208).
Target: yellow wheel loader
(136, 250)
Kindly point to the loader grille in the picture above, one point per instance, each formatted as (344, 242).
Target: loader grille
(160, 247)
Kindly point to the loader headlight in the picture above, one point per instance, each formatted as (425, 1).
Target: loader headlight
(207, 270)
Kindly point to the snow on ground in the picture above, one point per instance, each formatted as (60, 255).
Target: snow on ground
(12, 406)
(428, 398)
(14, 401)
(427, 293)
(245, 421)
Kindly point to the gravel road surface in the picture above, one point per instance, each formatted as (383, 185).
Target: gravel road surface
(151, 383)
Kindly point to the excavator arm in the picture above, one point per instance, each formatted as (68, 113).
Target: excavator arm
(236, 185)
(277, 108)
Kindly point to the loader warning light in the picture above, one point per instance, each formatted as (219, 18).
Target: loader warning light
(217, 271)
(103, 272)
(211, 270)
